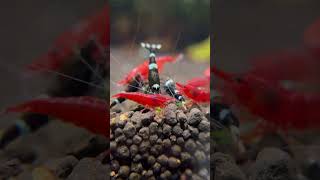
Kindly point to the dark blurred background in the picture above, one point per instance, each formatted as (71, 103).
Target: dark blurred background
(28, 30)
(164, 21)
(246, 28)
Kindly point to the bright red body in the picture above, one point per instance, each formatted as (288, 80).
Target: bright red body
(143, 69)
(292, 65)
(149, 100)
(196, 94)
(207, 72)
(94, 28)
(203, 82)
(283, 108)
(87, 112)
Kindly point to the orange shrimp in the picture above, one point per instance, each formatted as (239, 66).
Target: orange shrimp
(149, 100)
(96, 26)
(278, 106)
(143, 69)
(87, 112)
(196, 94)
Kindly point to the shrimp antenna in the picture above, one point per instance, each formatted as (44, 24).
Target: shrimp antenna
(152, 48)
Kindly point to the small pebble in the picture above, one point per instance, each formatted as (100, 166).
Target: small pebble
(153, 127)
(173, 138)
(147, 118)
(121, 139)
(195, 117)
(145, 156)
(173, 162)
(200, 156)
(129, 130)
(124, 171)
(190, 145)
(118, 132)
(114, 165)
(129, 142)
(166, 130)
(153, 139)
(134, 176)
(204, 137)
(177, 130)
(170, 118)
(137, 158)
(172, 107)
(123, 152)
(188, 172)
(186, 134)
(121, 124)
(159, 141)
(181, 117)
(149, 173)
(194, 132)
(136, 167)
(151, 160)
(144, 133)
(137, 139)
(144, 146)
(176, 150)
(166, 143)
(156, 150)
(204, 125)
(185, 158)
(134, 150)
(156, 168)
(204, 173)
(166, 175)
(136, 118)
(163, 160)
(180, 141)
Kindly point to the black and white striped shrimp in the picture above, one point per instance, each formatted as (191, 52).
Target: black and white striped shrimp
(153, 77)
(170, 89)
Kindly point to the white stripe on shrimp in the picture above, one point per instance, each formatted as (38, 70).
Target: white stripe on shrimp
(156, 86)
(153, 66)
